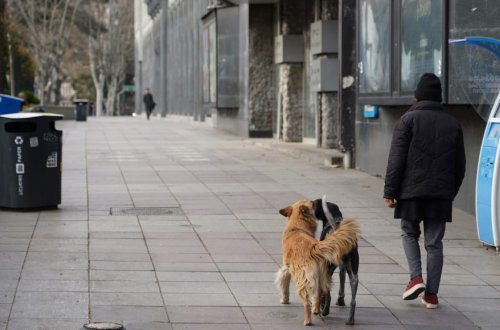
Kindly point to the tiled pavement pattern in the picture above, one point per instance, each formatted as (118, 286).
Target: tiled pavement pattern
(212, 265)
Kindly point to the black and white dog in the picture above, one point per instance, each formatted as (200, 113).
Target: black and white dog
(330, 215)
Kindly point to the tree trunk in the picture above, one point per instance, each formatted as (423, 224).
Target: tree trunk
(12, 74)
(99, 93)
(110, 99)
(55, 87)
(40, 84)
(3, 67)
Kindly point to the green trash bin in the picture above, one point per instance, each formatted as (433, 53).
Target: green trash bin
(81, 109)
(31, 158)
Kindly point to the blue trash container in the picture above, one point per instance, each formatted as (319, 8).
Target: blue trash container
(10, 104)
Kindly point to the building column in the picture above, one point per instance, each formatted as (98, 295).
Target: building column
(291, 22)
(261, 93)
(348, 65)
(163, 57)
(329, 101)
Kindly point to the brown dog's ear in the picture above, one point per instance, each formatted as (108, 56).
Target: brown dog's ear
(304, 210)
(286, 212)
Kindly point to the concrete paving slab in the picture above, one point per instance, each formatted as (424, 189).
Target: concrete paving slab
(121, 265)
(225, 246)
(126, 298)
(210, 327)
(186, 267)
(201, 287)
(206, 315)
(53, 285)
(123, 286)
(199, 299)
(52, 324)
(7, 297)
(246, 266)
(50, 305)
(128, 314)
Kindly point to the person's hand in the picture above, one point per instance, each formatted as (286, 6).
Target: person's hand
(390, 202)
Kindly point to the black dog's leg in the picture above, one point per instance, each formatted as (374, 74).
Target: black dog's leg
(325, 304)
(326, 298)
(353, 280)
(340, 300)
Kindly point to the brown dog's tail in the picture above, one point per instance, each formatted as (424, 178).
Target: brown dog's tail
(336, 245)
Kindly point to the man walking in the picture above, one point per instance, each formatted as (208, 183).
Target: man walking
(149, 102)
(425, 169)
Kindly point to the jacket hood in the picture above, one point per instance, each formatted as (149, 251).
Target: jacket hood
(427, 105)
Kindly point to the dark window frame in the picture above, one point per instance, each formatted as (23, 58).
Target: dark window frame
(396, 96)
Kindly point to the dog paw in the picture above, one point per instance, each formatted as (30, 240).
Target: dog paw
(340, 302)
(307, 323)
(349, 322)
(284, 301)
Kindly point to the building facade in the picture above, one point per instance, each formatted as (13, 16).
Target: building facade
(332, 73)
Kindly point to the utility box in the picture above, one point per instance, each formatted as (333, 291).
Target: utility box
(488, 181)
(289, 48)
(325, 75)
(324, 37)
(31, 154)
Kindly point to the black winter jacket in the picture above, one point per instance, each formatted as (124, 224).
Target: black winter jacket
(427, 157)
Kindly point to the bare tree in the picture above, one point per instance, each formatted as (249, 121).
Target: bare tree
(3, 49)
(45, 23)
(98, 20)
(110, 47)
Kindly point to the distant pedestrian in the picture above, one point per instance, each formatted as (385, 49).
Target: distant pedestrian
(425, 169)
(149, 102)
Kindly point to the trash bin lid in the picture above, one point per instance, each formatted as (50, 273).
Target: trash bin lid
(26, 115)
(11, 97)
(80, 101)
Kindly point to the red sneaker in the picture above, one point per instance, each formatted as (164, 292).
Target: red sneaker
(414, 288)
(430, 300)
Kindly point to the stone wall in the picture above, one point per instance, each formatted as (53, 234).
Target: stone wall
(291, 101)
(261, 98)
(330, 130)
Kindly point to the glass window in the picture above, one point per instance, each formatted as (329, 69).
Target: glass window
(206, 73)
(375, 46)
(209, 62)
(421, 40)
(474, 51)
(213, 63)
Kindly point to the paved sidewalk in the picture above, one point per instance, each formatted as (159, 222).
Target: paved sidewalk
(209, 262)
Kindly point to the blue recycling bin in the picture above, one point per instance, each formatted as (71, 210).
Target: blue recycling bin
(10, 104)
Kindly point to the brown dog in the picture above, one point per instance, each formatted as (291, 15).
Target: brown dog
(305, 258)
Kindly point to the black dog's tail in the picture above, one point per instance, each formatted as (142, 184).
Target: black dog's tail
(336, 245)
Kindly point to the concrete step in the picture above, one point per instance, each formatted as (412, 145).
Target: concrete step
(307, 152)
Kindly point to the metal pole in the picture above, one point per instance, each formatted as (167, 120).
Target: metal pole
(11, 67)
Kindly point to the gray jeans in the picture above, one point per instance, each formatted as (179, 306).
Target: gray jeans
(433, 240)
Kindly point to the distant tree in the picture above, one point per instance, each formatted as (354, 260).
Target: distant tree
(3, 49)
(45, 25)
(110, 49)
(84, 85)
(23, 66)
